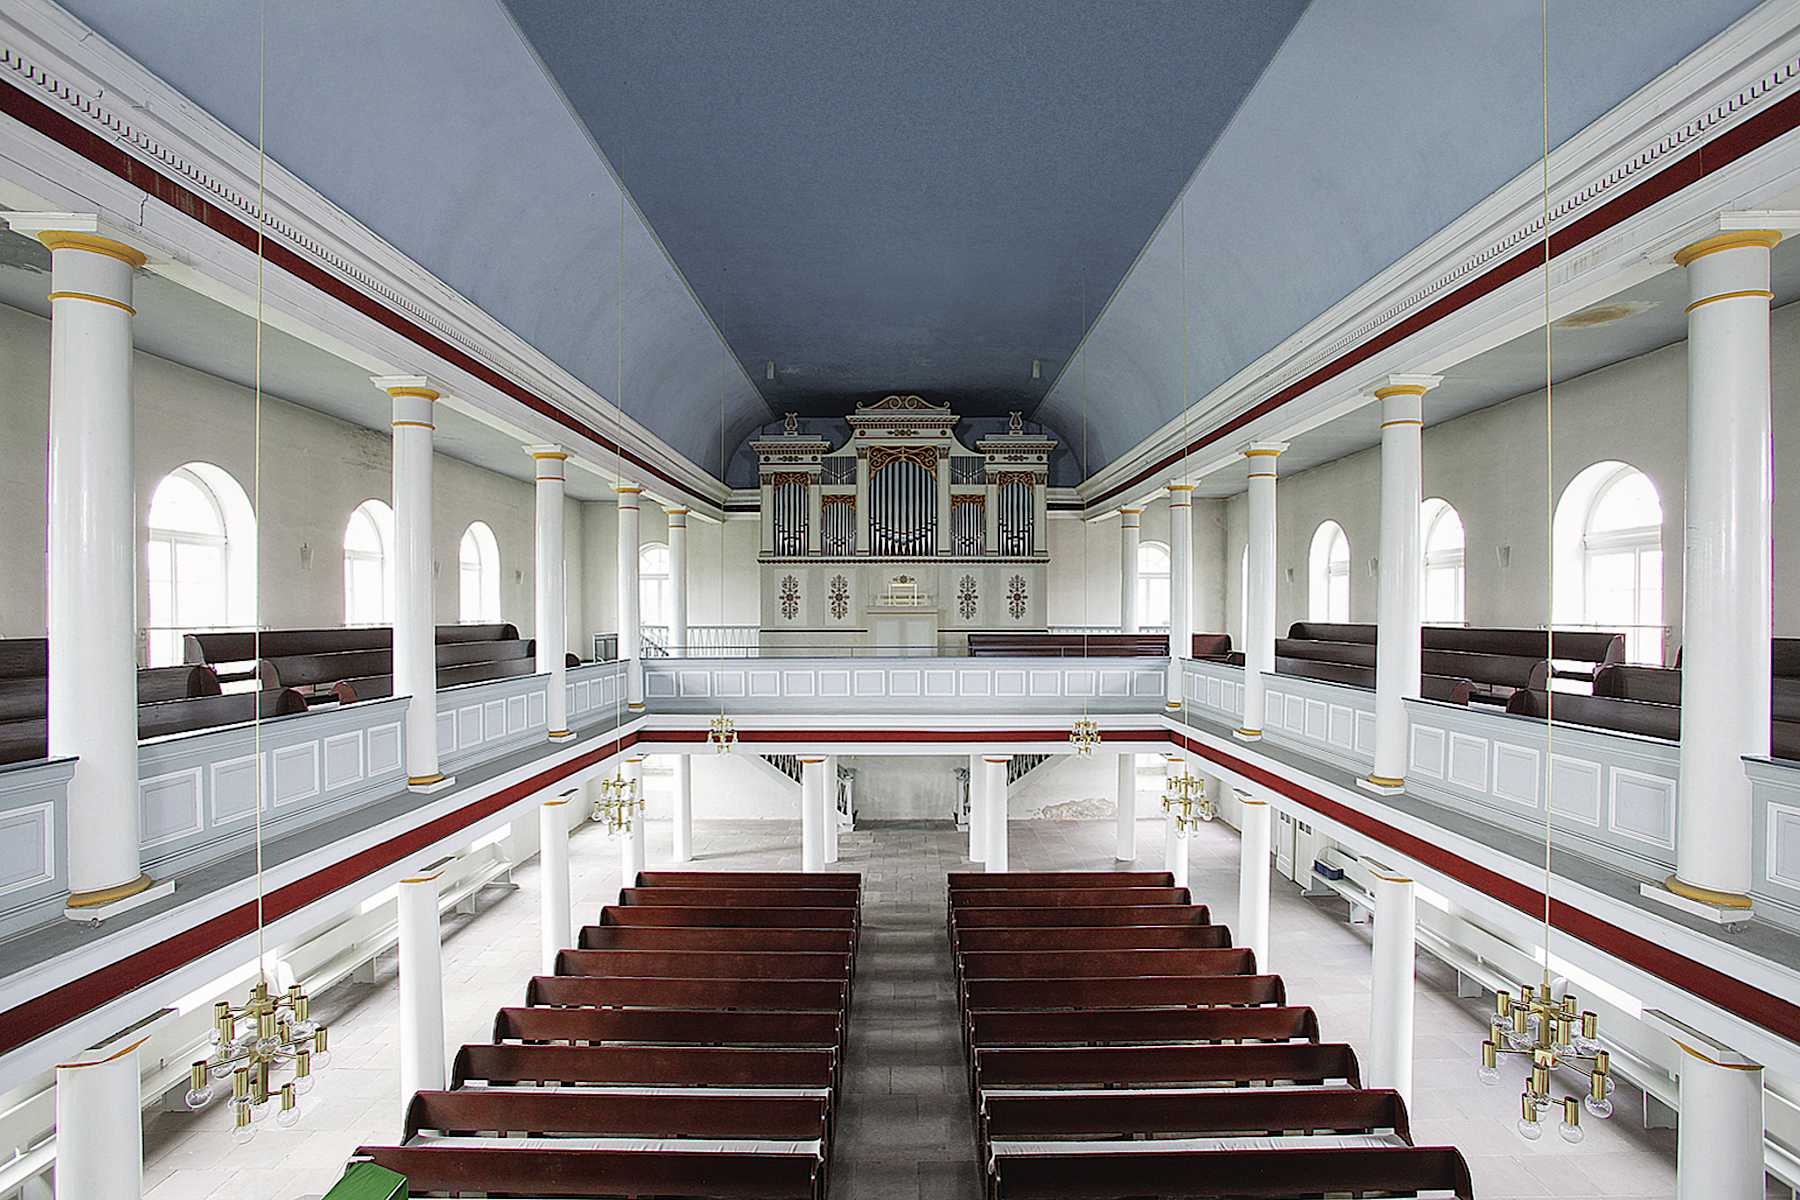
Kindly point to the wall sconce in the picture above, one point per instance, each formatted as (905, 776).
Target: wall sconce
(306, 556)
(1504, 554)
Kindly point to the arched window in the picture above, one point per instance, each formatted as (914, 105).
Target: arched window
(479, 572)
(1441, 583)
(1328, 597)
(653, 584)
(369, 565)
(201, 558)
(1608, 556)
(1153, 585)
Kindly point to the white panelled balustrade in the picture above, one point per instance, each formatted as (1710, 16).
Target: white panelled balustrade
(34, 851)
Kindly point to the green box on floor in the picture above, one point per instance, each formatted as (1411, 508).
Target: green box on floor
(366, 1181)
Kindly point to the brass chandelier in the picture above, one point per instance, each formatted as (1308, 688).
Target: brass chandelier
(619, 804)
(268, 1033)
(1185, 798)
(722, 736)
(1556, 1036)
(1084, 736)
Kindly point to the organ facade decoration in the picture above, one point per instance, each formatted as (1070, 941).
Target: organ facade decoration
(902, 539)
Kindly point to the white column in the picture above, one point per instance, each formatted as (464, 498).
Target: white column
(812, 812)
(1726, 623)
(943, 500)
(993, 789)
(421, 988)
(1178, 856)
(415, 622)
(1719, 1134)
(1126, 849)
(1181, 585)
(1391, 983)
(682, 810)
(92, 593)
(552, 584)
(554, 921)
(100, 1124)
(1130, 536)
(1253, 879)
(1397, 650)
(678, 598)
(862, 503)
(631, 853)
(831, 809)
(630, 643)
(1259, 603)
(978, 814)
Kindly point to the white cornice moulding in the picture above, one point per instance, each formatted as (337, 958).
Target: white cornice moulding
(48, 52)
(1740, 72)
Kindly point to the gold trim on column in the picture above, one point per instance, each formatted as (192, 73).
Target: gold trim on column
(1260, 475)
(93, 243)
(1384, 781)
(1402, 421)
(122, 1051)
(99, 896)
(1248, 800)
(1261, 453)
(424, 780)
(1387, 878)
(1707, 1058)
(628, 490)
(415, 424)
(1706, 895)
(556, 803)
(1181, 487)
(1737, 239)
(1761, 293)
(556, 454)
(423, 393)
(1401, 389)
(1248, 732)
(560, 733)
(94, 298)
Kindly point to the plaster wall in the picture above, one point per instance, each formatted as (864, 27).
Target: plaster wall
(1085, 563)
(315, 470)
(727, 596)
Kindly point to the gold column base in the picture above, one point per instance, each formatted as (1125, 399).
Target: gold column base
(95, 899)
(424, 780)
(562, 733)
(1707, 895)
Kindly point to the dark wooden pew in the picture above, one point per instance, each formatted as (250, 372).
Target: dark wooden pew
(1058, 897)
(670, 1174)
(1105, 964)
(747, 995)
(982, 881)
(650, 915)
(1225, 1113)
(837, 881)
(668, 937)
(644, 1066)
(1142, 1025)
(1167, 1066)
(1068, 645)
(380, 687)
(243, 645)
(1237, 1174)
(604, 1114)
(1213, 646)
(702, 964)
(721, 897)
(1142, 991)
(1083, 915)
(692, 1027)
(1105, 937)
(1445, 688)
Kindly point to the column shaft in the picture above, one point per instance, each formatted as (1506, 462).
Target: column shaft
(682, 810)
(630, 643)
(554, 922)
(92, 593)
(631, 852)
(678, 600)
(812, 812)
(1719, 1135)
(1126, 849)
(1727, 620)
(831, 809)
(1181, 585)
(978, 815)
(1253, 879)
(100, 1126)
(415, 622)
(421, 988)
(1178, 855)
(552, 585)
(1397, 650)
(993, 770)
(1259, 602)
(1130, 537)
(1391, 984)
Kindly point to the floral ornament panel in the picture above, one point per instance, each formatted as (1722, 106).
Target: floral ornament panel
(790, 597)
(966, 598)
(839, 596)
(1015, 597)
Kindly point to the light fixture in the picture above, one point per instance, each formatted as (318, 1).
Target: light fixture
(619, 803)
(268, 1033)
(1185, 798)
(1084, 736)
(722, 736)
(1556, 1036)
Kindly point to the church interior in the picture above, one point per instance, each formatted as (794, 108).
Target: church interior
(803, 600)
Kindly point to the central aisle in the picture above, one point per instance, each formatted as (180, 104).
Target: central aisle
(905, 1122)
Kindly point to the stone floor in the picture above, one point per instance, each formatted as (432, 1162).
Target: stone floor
(905, 1124)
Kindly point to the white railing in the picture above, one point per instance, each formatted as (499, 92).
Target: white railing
(702, 641)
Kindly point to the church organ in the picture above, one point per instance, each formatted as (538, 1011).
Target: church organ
(902, 539)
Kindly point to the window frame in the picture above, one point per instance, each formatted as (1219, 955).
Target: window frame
(383, 558)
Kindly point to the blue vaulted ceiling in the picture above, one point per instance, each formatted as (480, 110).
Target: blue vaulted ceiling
(880, 196)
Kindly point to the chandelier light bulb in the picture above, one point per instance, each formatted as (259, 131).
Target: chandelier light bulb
(200, 1092)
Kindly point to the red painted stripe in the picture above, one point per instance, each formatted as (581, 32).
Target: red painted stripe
(1773, 1013)
(28, 110)
(1727, 148)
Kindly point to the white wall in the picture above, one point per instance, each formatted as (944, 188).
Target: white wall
(709, 603)
(1085, 563)
(315, 471)
(726, 787)
(1491, 465)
